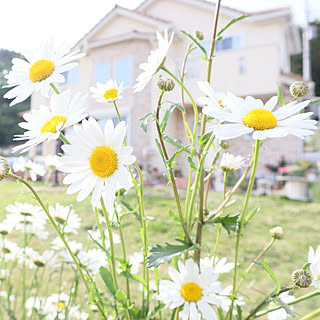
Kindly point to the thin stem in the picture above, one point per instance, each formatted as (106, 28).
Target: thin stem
(24, 287)
(170, 171)
(64, 139)
(145, 241)
(252, 264)
(312, 315)
(54, 88)
(300, 299)
(265, 300)
(210, 172)
(117, 110)
(241, 222)
(113, 259)
(225, 178)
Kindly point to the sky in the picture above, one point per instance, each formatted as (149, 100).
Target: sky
(24, 23)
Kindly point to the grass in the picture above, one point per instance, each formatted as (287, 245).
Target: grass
(299, 221)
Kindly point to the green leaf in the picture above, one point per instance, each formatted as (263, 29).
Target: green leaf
(100, 246)
(267, 268)
(130, 275)
(121, 296)
(314, 101)
(239, 313)
(202, 140)
(179, 106)
(174, 142)
(171, 160)
(248, 217)
(161, 153)
(144, 121)
(230, 223)
(160, 254)
(108, 280)
(233, 21)
(192, 164)
(174, 215)
(306, 266)
(195, 42)
(285, 306)
(280, 95)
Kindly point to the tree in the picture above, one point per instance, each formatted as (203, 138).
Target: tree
(296, 60)
(9, 116)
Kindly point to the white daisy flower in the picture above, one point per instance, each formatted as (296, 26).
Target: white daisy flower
(218, 266)
(52, 161)
(48, 258)
(251, 115)
(4, 168)
(66, 217)
(225, 299)
(107, 92)
(97, 162)
(281, 314)
(32, 168)
(314, 259)
(214, 100)
(93, 259)
(58, 246)
(10, 251)
(155, 61)
(39, 70)
(192, 289)
(136, 261)
(47, 123)
(230, 163)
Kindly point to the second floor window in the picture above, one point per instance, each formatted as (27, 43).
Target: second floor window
(226, 43)
(122, 71)
(101, 73)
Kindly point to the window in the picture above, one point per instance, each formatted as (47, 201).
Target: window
(101, 73)
(73, 76)
(226, 43)
(122, 71)
(242, 65)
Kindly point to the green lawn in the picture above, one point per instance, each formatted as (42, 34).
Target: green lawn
(299, 220)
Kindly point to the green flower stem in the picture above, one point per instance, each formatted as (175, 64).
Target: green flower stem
(200, 223)
(242, 216)
(24, 287)
(311, 315)
(117, 110)
(252, 264)
(225, 177)
(230, 194)
(113, 257)
(170, 171)
(54, 88)
(58, 232)
(300, 299)
(123, 251)
(210, 172)
(64, 139)
(144, 240)
(48, 176)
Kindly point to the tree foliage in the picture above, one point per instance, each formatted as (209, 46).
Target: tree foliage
(9, 116)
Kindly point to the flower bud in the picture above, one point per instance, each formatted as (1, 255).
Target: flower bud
(4, 168)
(301, 278)
(230, 163)
(165, 84)
(198, 35)
(39, 263)
(299, 89)
(277, 233)
(224, 144)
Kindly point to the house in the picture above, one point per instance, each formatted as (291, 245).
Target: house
(253, 56)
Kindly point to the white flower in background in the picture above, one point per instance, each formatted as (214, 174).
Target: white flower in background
(281, 314)
(10, 250)
(46, 123)
(52, 161)
(48, 258)
(4, 168)
(107, 92)
(93, 260)
(70, 221)
(314, 259)
(225, 299)
(4, 295)
(96, 235)
(214, 100)
(97, 162)
(75, 314)
(155, 61)
(194, 290)
(251, 115)
(136, 261)
(25, 217)
(39, 70)
(58, 246)
(32, 168)
(230, 163)
(220, 265)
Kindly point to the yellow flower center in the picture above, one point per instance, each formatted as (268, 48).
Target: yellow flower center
(50, 125)
(319, 276)
(260, 119)
(61, 305)
(111, 94)
(103, 161)
(41, 70)
(191, 292)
